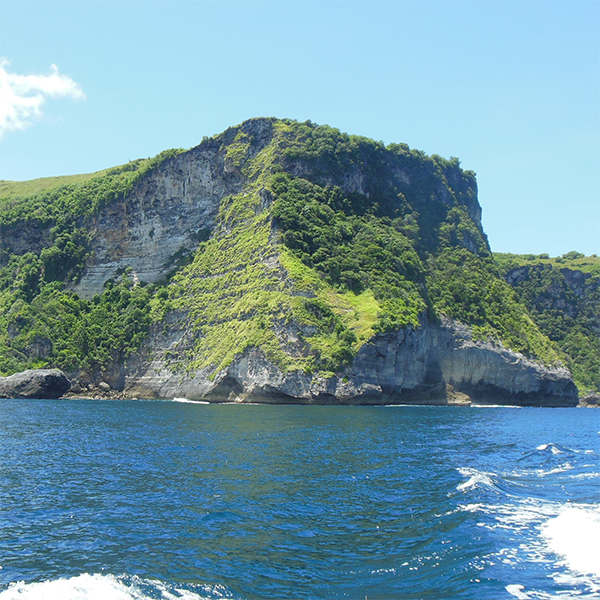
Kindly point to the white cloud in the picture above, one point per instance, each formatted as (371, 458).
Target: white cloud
(22, 96)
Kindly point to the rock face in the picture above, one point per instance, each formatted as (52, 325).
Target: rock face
(36, 383)
(31, 236)
(491, 374)
(165, 217)
(590, 401)
(393, 368)
(167, 214)
(565, 291)
(403, 367)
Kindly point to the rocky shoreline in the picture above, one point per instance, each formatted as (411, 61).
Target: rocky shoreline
(54, 384)
(435, 364)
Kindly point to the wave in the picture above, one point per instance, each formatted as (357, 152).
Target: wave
(556, 449)
(476, 479)
(562, 536)
(485, 481)
(554, 458)
(517, 505)
(574, 536)
(516, 590)
(108, 587)
(186, 401)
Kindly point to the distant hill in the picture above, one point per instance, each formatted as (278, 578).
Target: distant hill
(563, 296)
(278, 260)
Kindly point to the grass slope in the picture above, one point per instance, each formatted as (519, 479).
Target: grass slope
(570, 260)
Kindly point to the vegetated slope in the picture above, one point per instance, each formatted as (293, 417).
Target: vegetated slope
(9, 189)
(563, 296)
(45, 241)
(325, 241)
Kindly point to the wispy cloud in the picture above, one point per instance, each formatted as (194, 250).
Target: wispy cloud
(22, 96)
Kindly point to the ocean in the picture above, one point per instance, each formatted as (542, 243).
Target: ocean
(121, 500)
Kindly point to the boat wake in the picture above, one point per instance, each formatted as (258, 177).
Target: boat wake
(563, 535)
(574, 535)
(109, 587)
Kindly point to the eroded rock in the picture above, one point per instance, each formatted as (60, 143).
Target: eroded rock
(35, 383)
(435, 364)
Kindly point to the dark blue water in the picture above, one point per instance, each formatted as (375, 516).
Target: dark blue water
(137, 500)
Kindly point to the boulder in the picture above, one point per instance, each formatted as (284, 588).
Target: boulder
(35, 383)
(591, 400)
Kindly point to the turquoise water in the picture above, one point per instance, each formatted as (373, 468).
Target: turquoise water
(139, 500)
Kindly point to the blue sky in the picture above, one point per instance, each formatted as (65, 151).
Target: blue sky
(512, 88)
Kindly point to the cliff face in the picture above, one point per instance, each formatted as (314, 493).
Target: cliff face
(23, 237)
(490, 373)
(565, 302)
(163, 219)
(292, 263)
(436, 364)
(567, 292)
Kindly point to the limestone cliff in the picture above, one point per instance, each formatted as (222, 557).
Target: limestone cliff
(436, 364)
(290, 263)
(164, 218)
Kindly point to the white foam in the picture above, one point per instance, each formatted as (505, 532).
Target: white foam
(186, 401)
(515, 590)
(495, 406)
(551, 447)
(95, 587)
(88, 587)
(575, 536)
(476, 479)
(561, 469)
(586, 476)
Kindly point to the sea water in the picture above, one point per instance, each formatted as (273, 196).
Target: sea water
(167, 500)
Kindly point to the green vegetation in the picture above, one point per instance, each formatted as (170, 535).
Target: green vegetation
(56, 327)
(238, 296)
(9, 189)
(468, 288)
(570, 260)
(332, 240)
(353, 252)
(563, 297)
(40, 322)
(416, 191)
(412, 246)
(78, 199)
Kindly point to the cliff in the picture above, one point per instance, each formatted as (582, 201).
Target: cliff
(276, 262)
(563, 296)
(432, 365)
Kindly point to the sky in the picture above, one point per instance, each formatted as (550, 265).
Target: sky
(510, 87)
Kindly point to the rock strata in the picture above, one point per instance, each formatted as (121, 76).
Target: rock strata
(492, 374)
(35, 383)
(166, 215)
(435, 364)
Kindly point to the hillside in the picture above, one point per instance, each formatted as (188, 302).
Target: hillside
(276, 260)
(563, 296)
